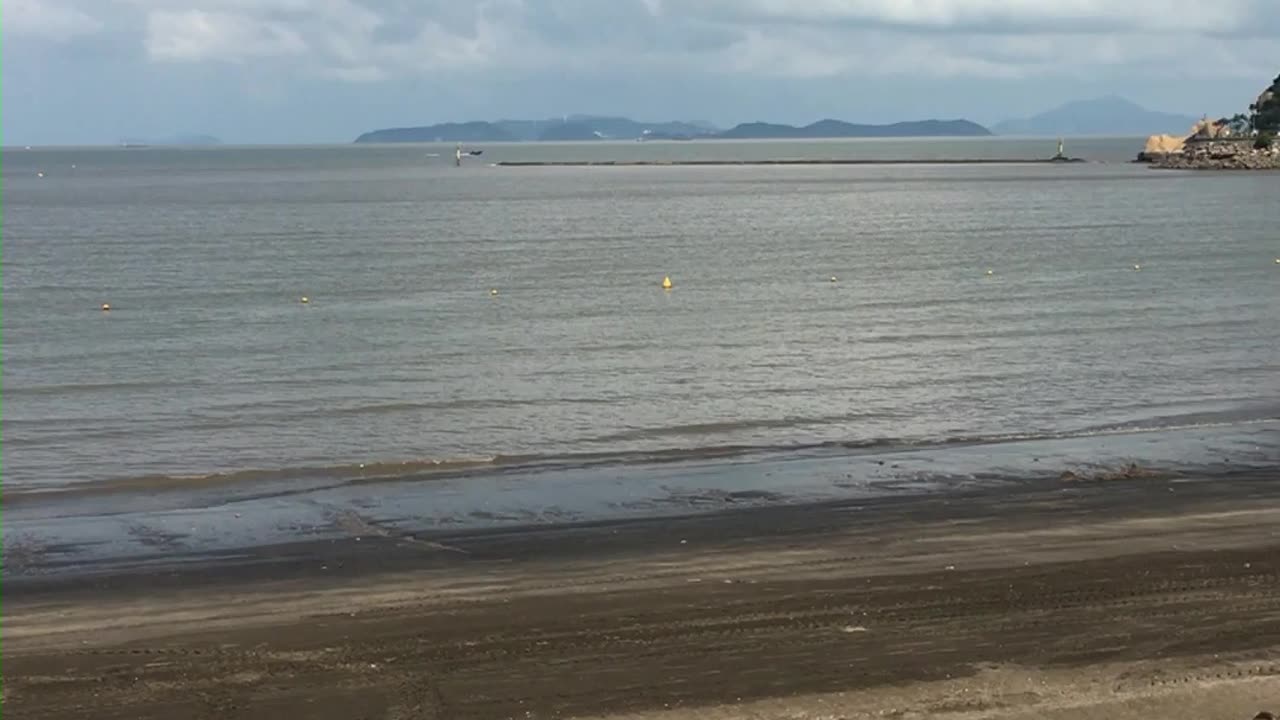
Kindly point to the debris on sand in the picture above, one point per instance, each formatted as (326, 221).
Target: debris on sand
(1130, 471)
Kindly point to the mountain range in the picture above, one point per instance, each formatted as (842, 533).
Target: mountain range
(569, 127)
(840, 129)
(1108, 115)
(589, 127)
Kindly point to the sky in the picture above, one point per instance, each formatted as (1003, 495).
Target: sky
(316, 71)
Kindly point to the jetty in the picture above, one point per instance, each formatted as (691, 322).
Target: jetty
(831, 161)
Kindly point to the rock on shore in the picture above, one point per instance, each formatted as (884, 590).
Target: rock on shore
(1218, 154)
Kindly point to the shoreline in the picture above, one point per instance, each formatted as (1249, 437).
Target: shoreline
(105, 531)
(1213, 167)
(1231, 153)
(370, 549)
(1011, 601)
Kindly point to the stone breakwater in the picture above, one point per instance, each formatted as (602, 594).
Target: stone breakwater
(837, 161)
(1233, 154)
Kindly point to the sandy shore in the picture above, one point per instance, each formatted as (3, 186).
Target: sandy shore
(1143, 597)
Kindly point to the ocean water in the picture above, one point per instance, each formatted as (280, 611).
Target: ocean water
(971, 305)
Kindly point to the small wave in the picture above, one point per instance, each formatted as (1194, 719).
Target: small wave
(461, 404)
(1168, 423)
(723, 427)
(1186, 421)
(340, 474)
(305, 478)
(92, 387)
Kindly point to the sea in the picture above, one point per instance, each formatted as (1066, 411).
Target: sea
(480, 327)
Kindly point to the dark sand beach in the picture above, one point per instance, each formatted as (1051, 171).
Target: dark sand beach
(1140, 596)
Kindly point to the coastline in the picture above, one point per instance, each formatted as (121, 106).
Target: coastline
(1214, 154)
(1014, 601)
(106, 528)
(1212, 165)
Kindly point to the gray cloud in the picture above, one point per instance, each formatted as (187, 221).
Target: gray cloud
(719, 59)
(47, 20)
(999, 16)
(375, 39)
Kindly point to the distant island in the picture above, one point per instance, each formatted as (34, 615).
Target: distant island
(567, 128)
(841, 129)
(1110, 115)
(588, 127)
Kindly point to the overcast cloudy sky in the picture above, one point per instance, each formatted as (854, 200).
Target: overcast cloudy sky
(91, 71)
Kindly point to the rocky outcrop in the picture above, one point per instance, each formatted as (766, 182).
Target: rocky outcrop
(1238, 143)
(1207, 129)
(1164, 144)
(1159, 146)
(1207, 153)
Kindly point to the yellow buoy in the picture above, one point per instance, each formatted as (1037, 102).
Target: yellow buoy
(106, 307)
(666, 283)
(305, 300)
(493, 291)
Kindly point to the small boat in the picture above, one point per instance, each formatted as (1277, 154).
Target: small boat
(458, 153)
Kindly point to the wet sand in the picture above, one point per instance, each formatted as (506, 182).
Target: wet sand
(1134, 597)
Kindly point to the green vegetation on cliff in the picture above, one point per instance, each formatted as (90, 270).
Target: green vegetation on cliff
(1266, 109)
(1262, 120)
(1265, 114)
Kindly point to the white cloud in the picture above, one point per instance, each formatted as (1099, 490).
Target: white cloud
(810, 53)
(653, 6)
(193, 35)
(1041, 15)
(363, 41)
(434, 47)
(46, 19)
(1003, 39)
(340, 39)
(358, 74)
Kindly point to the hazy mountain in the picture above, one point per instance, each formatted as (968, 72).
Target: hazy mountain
(526, 130)
(474, 131)
(840, 129)
(571, 127)
(1108, 115)
(193, 140)
(591, 127)
(572, 131)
